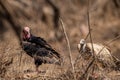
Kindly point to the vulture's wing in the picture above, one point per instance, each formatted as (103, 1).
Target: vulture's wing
(102, 53)
(29, 48)
(39, 41)
(40, 53)
(46, 56)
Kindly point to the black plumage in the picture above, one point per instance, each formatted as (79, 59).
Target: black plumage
(40, 54)
(39, 49)
(42, 43)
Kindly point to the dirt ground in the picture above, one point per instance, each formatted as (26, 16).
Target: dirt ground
(39, 16)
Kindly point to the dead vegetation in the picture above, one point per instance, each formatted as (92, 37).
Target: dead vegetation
(5, 61)
(103, 25)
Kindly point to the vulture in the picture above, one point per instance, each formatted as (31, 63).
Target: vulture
(39, 49)
(102, 54)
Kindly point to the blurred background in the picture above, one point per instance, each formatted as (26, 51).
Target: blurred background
(42, 16)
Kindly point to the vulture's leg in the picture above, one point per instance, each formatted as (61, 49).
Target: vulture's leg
(37, 64)
(37, 70)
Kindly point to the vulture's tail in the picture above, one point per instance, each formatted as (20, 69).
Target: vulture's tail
(58, 56)
(57, 62)
(55, 53)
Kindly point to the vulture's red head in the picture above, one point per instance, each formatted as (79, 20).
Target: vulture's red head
(26, 33)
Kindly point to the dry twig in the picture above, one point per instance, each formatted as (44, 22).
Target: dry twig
(68, 44)
(89, 26)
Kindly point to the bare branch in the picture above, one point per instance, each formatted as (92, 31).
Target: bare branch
(89, 26)
(68, 43)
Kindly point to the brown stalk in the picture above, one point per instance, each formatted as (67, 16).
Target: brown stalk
(68, 44)
(89, 27)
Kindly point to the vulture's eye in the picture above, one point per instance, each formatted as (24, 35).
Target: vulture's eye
(25, 32)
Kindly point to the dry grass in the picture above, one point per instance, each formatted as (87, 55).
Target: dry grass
(25, 69)
(5, 60)
(17, 65)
